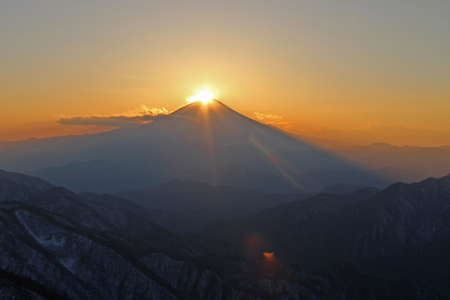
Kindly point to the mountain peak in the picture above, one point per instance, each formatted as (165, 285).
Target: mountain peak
(197, 108)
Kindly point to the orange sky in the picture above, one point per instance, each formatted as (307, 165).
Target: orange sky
(351, 72)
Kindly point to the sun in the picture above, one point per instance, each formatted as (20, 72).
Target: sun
(204, 96)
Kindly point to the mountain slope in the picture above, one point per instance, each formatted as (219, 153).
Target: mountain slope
(188, 207)
(60, 245)
(399, 233)
(56, 244)
(212, 144)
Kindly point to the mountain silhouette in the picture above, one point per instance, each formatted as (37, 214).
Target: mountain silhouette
(400, 232)
(207, 143)
(189, 207)
(57, 244)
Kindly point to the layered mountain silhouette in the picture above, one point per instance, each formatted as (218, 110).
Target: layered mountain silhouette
(399, 233)
(392, 244)
(212, 144)
(405, 164)
(56, 244)
(189, 207)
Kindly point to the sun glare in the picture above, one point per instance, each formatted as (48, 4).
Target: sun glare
(203, 96)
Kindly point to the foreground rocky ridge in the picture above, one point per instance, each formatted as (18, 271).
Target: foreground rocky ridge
(55, 244)
(59, 245)
(400, 233)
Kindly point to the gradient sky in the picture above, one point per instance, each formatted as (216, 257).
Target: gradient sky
(355, 71)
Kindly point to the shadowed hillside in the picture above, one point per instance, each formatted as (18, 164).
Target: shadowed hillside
(212, 144)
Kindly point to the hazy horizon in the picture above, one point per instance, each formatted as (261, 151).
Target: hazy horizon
(323, 136)
(355, 71)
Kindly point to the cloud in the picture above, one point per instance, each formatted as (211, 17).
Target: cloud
(150, 111)
(271, 119)
(134, 117)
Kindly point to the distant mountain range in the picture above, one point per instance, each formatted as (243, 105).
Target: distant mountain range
(212, 144)
(367, 244)
(406, 163)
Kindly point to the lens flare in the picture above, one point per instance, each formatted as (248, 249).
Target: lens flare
(203, 96)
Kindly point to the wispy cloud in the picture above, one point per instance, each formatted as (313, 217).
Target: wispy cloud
(271, 119)
(141, 115)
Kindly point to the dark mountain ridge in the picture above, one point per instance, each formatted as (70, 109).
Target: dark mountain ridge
(188, 207)
(398, 233)
(56, 244)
